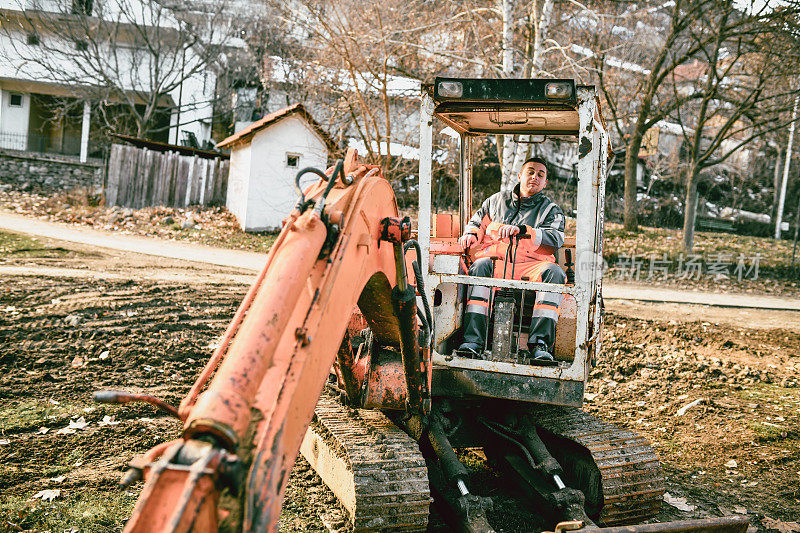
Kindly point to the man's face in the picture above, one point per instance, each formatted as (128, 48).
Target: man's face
(532, 178)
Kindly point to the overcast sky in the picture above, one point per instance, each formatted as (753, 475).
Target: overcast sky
(747, 5)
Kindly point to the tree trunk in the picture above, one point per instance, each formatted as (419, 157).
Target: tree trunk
(776, 179)
(541, 24)
(507, 163)
(787, 164)
(514, 155)
(507, 153)
(690, 210)
(777, 184)
(507, 7)
(630, 216)
(500, 141)
(541, 27)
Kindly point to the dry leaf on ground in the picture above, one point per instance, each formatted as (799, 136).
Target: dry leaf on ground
(47, 494)
(783, 527)
(679, 503)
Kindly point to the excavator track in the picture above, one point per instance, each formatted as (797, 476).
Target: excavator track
(616, 469)
(374, 468)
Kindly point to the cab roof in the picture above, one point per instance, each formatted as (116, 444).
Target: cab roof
(507, 106)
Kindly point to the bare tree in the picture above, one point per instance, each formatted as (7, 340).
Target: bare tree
(364, 72)
(128, 56)
(747, 88)
(646, 99)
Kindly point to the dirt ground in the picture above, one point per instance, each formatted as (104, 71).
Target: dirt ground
(76, 319)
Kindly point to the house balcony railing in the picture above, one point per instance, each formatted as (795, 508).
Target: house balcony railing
(32, 142)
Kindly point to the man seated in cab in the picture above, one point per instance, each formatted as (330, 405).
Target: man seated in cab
(524, 211)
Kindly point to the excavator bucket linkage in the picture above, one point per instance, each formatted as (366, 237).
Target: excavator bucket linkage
(723, 524)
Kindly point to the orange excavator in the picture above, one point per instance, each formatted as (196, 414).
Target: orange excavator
(344, 350)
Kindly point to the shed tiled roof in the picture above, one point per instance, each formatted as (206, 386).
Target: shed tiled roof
(245, 134)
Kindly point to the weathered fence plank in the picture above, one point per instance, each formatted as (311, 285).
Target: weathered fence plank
(113, 178)
(138, 177)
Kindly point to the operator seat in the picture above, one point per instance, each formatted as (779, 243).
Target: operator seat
(447, 227)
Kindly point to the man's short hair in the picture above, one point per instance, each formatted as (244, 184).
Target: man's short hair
(540, 160)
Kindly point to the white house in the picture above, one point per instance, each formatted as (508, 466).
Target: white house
(265, 158)
(32, 89)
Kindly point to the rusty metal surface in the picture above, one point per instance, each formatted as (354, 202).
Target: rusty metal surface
(231, 392)
(375, 304)
(264, 391)
(395, 229)
(565, 330)
(352, 358)
(623, 483)
(115, 396)
(385, 386)
(503, 328)
(191, 488)
(461, 382)
(376, 471)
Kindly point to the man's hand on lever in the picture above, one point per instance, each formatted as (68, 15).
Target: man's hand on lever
(467, 240)
(508, 230)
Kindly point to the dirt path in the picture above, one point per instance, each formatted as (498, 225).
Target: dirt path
(132, 243)
(78, 318)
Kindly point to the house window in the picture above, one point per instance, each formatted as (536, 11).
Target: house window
(15, 100)
(292, 160)
(33, 39)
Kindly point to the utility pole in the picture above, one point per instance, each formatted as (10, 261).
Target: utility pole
(782, 199)
(796, 227)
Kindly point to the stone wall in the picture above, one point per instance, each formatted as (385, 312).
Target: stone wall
(48, 172)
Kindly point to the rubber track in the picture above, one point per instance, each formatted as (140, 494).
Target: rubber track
(632, 481)
(388, 470)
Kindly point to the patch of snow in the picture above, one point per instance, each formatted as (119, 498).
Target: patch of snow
(611, 60)
(673, 128)
(285, 71)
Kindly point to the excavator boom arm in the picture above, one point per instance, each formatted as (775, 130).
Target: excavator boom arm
(247, 426)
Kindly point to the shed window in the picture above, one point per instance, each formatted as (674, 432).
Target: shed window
(292, 160)
(15, 100)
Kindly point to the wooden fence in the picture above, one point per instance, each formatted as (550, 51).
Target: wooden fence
(138, 177)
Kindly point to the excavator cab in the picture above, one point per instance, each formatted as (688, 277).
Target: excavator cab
(534, 110)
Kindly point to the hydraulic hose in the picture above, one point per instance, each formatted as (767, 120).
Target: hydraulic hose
(425, 325)
(415, 265)
(339, 170)
(301, 202)
(405, 307)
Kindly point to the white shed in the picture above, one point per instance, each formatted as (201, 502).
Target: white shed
(265, 158)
